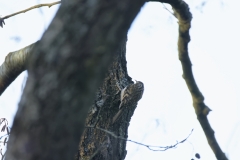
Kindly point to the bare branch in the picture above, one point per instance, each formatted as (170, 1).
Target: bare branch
(150, 147)
(28, 9)
(33, 7)
(168, 10)
(14, 64)
(181, 10)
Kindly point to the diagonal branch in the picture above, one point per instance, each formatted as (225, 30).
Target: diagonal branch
(182, 13)
(14, 64)
(28, 9)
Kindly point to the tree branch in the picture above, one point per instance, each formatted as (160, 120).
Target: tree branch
(64, 72)
(14, 64)
(150, 147)
(28, 9)
(181, 10)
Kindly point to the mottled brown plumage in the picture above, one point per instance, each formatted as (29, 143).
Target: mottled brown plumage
(130, 95)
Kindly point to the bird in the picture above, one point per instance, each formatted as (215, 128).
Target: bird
(129, 96)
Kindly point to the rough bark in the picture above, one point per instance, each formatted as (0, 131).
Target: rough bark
(65, 70)
(96, 144)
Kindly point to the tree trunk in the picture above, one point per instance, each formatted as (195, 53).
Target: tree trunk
(96, 144)
(67, 66)
(65, 70)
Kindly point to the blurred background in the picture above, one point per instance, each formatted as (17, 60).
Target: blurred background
(165, 114)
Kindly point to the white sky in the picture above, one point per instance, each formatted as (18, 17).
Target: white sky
(165, 114)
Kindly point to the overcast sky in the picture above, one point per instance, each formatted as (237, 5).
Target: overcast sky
(165, 113)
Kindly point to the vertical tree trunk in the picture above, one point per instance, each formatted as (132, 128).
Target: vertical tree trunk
(95, 143)
(65, 70)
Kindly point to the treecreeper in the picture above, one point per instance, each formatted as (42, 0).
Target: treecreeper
(130, 96)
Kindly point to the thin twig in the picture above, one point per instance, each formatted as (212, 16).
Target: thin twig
(150, 147)
(28, 9)
(4, 136)
(168, 10)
